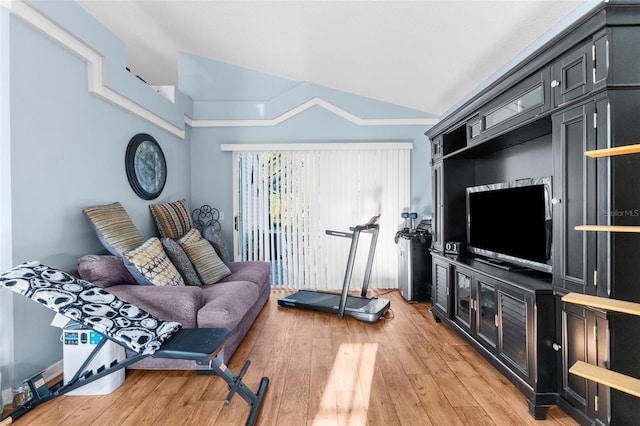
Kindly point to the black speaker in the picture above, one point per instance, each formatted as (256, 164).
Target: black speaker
(452, 248)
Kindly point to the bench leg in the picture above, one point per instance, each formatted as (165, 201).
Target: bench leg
(236, 385)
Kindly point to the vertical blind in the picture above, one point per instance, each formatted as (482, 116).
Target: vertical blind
(285, 200)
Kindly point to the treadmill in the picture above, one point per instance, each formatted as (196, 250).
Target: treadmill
(363, 308)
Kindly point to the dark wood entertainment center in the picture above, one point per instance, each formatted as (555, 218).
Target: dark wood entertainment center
(579, 92)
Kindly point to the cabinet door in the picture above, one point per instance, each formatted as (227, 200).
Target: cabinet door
(574, 348)
(440, 291)
(598, 404)
(522, 102)
(512, 331)
(585, 338)
(462, 296)
(574, 199)
(438, 206)
(572, 75)
(487, 311)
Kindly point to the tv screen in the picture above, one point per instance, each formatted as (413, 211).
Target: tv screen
(511, 221)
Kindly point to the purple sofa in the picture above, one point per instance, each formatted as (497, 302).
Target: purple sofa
(234, 302)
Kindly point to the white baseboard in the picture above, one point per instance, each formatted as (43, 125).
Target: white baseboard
(49, 373)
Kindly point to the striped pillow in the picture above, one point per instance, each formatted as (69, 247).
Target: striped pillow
(204, 258)
(190, 237)
(115, 230)
(172, 219)
(149, 264)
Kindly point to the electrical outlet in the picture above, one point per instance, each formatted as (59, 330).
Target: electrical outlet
(221, 215)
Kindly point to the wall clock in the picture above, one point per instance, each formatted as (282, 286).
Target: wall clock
(146, 167)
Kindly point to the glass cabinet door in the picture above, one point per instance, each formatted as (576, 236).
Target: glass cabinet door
(487, 312)
(463, 298)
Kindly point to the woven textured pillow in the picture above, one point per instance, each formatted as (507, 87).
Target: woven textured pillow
(205, 260)
(149, 264)
(172, 219)
(115, 230)
(190, 237)
(181, 261)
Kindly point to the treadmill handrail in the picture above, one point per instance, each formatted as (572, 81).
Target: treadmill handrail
(368, 227)
(339, 233)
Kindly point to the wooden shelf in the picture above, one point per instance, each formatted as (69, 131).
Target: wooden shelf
(614, 305)
(608, 152)
(609, 378)
(606, 228)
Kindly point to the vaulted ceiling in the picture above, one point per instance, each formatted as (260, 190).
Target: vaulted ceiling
(425, 55)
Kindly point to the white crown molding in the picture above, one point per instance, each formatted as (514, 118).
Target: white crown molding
(328, 146)
(305, 106)
(95, 63)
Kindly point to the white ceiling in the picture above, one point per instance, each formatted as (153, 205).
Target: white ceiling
(425, 55)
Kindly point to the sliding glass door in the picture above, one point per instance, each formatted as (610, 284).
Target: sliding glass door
(285, 200)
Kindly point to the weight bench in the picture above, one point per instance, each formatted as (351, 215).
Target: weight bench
(125, 324)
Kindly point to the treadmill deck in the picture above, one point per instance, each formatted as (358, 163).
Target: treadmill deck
(361, 308)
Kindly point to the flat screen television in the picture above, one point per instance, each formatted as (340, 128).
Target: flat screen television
(509, 223)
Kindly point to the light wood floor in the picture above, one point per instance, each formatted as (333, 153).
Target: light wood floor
(403, 370)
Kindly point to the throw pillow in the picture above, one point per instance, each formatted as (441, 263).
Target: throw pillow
(104, 271)
(208, 265)
(214, 236)
(190, 237)
(172, 219)
(149, 264)
(114, 228)
(181, 261)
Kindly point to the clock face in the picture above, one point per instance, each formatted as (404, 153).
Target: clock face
(146, 166)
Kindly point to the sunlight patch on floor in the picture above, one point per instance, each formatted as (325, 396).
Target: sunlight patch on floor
(345, 399)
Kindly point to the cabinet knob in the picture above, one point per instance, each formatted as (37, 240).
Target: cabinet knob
(555, 83)
(556, 347)
(555, 201)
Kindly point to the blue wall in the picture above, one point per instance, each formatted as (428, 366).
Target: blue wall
(67, 150)
(63, 147)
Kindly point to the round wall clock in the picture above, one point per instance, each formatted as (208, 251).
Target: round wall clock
(146, 166)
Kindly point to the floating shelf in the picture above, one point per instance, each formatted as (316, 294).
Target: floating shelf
(603, 303)
(609, 152)
(609, 378)
(607, 228)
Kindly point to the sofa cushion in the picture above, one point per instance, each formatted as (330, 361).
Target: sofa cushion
(254, 271)
(149, 264)
(225, 304)
(177, 303)
(172, 219)
(181, 261)
(104, 271)
(205, 260)
(114, 228)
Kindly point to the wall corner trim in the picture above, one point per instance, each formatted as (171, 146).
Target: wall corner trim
(95, 63)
